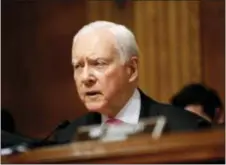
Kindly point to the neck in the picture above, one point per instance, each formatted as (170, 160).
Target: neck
(116, 109)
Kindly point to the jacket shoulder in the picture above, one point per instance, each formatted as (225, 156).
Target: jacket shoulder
(178, 119)
(181, 119)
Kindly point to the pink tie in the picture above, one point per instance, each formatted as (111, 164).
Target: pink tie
(113, 121)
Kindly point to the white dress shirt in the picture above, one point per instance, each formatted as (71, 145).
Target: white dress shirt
(131, 111)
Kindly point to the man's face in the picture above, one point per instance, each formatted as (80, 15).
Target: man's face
(99, 74)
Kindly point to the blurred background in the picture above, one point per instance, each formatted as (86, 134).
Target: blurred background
(181, 42)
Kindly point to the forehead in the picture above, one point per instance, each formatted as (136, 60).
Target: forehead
(94, 44)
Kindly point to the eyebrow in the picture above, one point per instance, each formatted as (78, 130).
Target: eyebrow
(75, 61)
(93, 58)
(98, 58)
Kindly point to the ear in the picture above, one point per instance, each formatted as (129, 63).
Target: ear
(132, 68)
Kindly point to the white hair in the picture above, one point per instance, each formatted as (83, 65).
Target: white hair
(126, 44)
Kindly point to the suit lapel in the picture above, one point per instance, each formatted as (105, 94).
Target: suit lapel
(93, 118)
(147, 104)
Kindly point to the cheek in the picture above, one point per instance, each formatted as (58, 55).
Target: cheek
(113, 81)
(77, 85)
(76, 82)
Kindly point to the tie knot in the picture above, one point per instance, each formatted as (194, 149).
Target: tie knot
(113, 121)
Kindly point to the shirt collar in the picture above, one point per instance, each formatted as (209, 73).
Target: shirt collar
(131, 111)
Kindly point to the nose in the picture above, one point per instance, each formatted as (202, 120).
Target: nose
(87, 77)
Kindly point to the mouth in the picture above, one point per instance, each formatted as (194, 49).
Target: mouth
(92, 93)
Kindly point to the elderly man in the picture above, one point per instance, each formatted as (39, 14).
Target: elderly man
(105, 61)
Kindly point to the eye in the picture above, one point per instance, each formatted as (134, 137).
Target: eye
(100, 63)
(77, 66)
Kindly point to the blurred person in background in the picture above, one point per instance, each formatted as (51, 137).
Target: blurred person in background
(200, 100)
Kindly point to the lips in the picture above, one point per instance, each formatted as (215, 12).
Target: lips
(92, 93)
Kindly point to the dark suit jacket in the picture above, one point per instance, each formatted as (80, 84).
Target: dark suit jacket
(177, 119)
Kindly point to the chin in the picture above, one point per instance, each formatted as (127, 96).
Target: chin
(94, 107)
